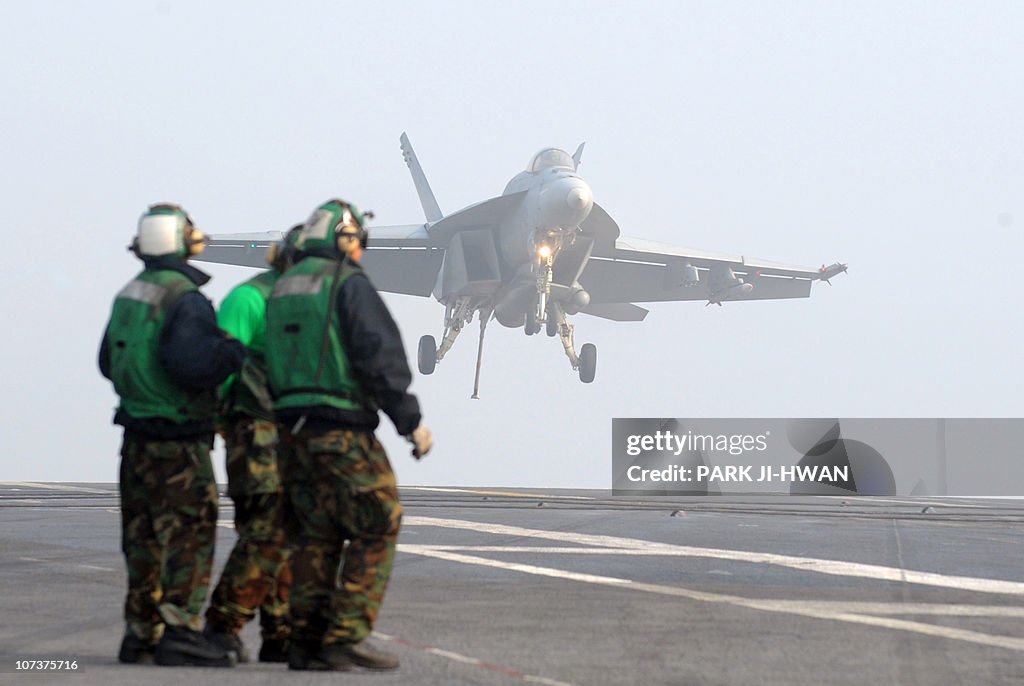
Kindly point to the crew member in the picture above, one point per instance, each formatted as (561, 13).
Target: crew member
(334, 357)
(256, 574)
(166, 357)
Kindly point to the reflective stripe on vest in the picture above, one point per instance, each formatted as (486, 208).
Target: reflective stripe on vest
(133, 338)
(308, 365)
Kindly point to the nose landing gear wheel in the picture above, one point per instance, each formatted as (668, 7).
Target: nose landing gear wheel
(551, 326)
(427, 355)
(588, 362)
(531, 326)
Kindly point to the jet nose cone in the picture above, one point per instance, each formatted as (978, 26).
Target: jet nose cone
(578, 202)
(579, 199)
(565, 202)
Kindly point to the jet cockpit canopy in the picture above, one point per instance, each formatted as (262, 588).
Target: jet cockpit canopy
(549, 158)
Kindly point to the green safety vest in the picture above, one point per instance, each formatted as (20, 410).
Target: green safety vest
(307, 365)
(133, 339)
(246, 392)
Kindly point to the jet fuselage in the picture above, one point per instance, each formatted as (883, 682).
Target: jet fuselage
(557, 201)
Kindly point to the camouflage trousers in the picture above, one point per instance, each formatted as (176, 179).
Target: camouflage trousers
(346, 515)
(256, 575)
(168, 523)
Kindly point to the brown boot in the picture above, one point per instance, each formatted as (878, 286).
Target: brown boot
(362, 653)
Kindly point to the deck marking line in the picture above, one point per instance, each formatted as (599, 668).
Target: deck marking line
(809, 564)
(57, 487)
(1008, 642)
(480, 491)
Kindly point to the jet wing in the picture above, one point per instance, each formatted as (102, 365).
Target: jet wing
(244, 249)
(645, 271)
(399, 259)
(481, 215)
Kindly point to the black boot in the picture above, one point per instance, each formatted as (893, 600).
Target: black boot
(135, 650)
(226, 640)
(181, 646)
(306, 655)
(274, 650)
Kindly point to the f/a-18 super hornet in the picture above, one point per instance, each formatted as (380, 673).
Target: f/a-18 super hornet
(540, 251)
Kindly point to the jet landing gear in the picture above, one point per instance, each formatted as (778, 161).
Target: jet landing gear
(456, 315)
(532, 324)
(543, 267)
(549, 315)
(586, 361)
(427, 355)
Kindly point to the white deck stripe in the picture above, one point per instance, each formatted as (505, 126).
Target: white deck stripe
(801, 609)
(57, 487)
(483, 491)
(59, 563)
(457, 657)
(808, 564)
(898, 608)
(909, 502)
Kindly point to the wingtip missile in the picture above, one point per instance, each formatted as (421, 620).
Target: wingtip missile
(826, 273)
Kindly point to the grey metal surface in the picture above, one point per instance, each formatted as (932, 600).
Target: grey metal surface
(577, 587)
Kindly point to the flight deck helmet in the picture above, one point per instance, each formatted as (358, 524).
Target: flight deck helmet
(336, 225)
(166, 230)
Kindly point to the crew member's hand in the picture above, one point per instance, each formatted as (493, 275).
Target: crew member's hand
(422, 441)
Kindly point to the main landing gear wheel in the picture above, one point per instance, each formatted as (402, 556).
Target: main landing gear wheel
(427, 356)
(551, 326)
(588, 362)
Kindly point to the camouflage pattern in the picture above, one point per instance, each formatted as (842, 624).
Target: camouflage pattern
(341, 488)
(274, 624)
(256, 574)
(251, 446)
(168, 523)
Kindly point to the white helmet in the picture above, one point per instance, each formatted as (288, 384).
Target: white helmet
(166, 229)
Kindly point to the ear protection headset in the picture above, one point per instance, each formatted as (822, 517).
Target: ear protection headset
(349, 230)
(281, 254)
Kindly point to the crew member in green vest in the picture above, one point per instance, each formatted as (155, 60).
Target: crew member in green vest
(256, 575)
(166, 357)
(334, 358)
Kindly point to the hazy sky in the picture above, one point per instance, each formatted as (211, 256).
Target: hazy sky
(887, 135)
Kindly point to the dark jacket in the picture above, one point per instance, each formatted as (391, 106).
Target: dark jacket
(375, 350)
(193, 351)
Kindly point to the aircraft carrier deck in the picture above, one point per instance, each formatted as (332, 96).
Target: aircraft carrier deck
(517, 586)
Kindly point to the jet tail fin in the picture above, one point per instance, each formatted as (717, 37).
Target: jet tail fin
(577, 156)
(427, 200)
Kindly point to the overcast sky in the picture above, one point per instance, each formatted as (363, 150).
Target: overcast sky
(886, 135)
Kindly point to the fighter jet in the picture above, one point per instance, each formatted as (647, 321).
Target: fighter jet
(539, 252)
